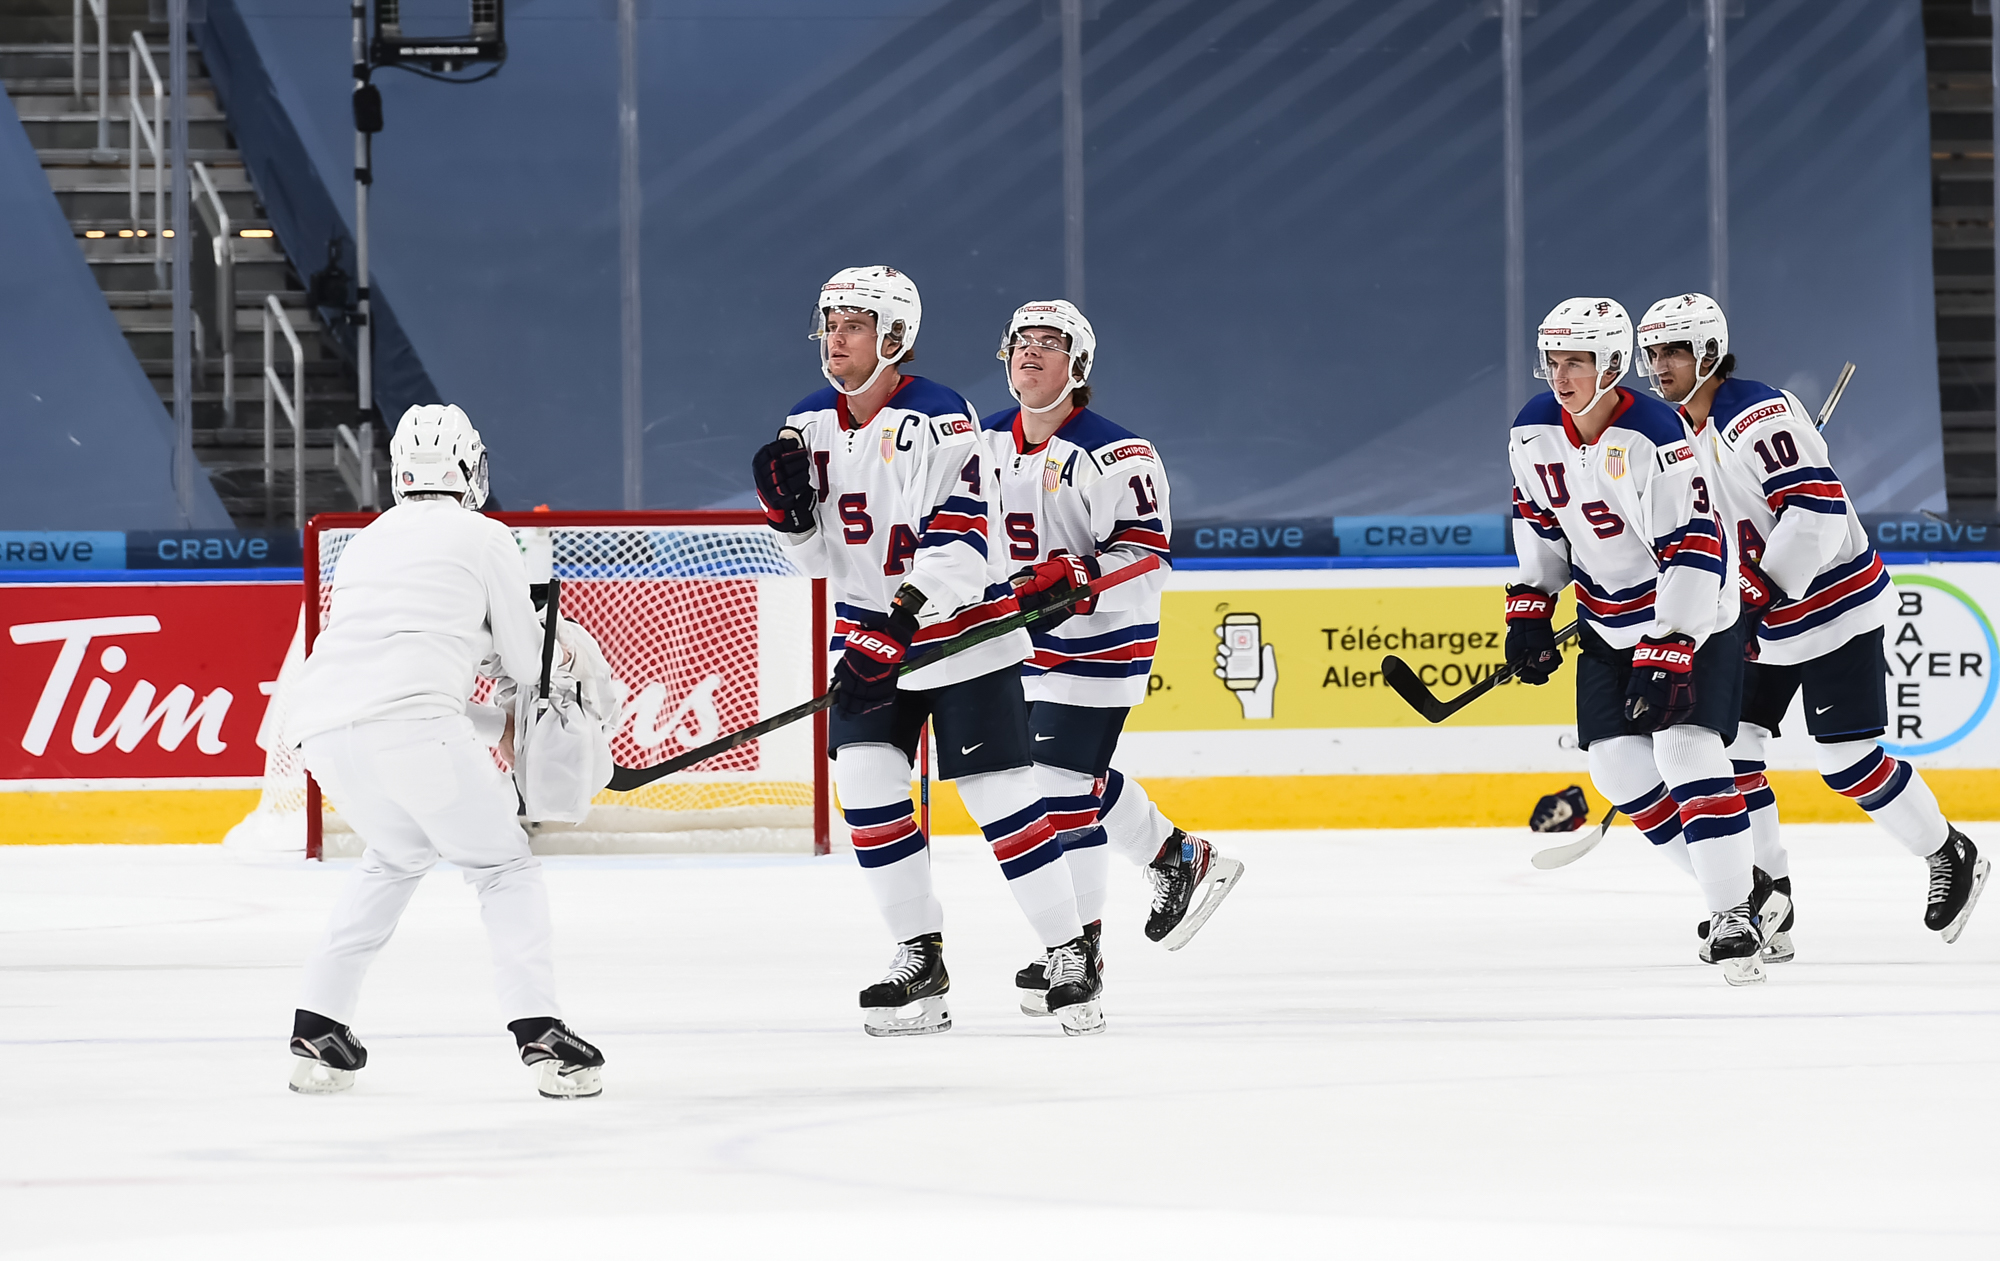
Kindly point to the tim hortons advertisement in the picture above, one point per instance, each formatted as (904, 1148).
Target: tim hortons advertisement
(127, 681)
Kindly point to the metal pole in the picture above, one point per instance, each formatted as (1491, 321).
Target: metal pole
(1072, 134)
(103, 12)
(183, 324)
(1718, 153)
(364, 327)
(1513, 199)
(628, 253)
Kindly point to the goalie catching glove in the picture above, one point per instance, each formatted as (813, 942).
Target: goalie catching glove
(1660, 692)
(782, 472)
(865, 675)
(1531, 641)
(1038, 586)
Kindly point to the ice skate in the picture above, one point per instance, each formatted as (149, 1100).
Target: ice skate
(1771, 914)
(1032, 982)
(327, 1054)
(1187, 865)
(568, 1066)
(1076, 984)
(1958, 875)
(910, 1000)
(1778, 942)
(1734, 944)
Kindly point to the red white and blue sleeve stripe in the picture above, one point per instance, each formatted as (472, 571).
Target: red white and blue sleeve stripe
(1810, 489)
(1142, 537)
(959, 519)
(1696, 545)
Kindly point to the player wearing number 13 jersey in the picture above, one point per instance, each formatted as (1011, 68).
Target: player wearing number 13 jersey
(1611, 494)
(879, 485)
(1815, 597)
(1081, 497)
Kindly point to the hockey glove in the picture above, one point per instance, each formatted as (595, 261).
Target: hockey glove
(1660, 692)
(1038, 586)
(865, 675)
(1759, 594)
(1531, 641)
(1565, 811)
(782, 472)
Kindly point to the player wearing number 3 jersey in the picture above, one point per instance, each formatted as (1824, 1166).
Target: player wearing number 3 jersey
(1610, 493)
(877, 484)
(1081, 497)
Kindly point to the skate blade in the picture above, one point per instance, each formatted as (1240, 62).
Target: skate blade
(311, 1077)
(1223, 875)
(1779, 948)
(1080, 1020)
(553, 1081)
(926, 1015)
(1034, 1002)
(1957, 925)
(1748, 970)
(1776, 908)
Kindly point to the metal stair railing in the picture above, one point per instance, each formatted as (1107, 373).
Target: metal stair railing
(97, 11)
(354, 458)
(294, 408)
(140, 55)
(223, 235)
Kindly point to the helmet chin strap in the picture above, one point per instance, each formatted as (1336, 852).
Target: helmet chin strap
(882, 363)
(1070, 388)
(1699, 381)
(1597, 397)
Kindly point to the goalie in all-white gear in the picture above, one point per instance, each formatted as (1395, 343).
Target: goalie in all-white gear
(1610, 493)
(878, 484)
(1081, 497)
(420, 597)
(1816, 599)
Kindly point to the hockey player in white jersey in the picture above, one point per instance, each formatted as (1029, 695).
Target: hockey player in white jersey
(1081, 497)
(1816, 599)
(421, 597)
(1609, 493)
(878, 484)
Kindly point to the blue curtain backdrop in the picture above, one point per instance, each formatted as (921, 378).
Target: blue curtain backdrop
(1294, 224)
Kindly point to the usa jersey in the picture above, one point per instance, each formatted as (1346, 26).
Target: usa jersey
(1091, 489)
(905, 498)
(1633, 519)
(1792, 516)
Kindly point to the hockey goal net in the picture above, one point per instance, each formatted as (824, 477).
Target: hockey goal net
(707, 626)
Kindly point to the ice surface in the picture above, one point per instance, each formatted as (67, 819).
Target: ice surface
(1386, 1044)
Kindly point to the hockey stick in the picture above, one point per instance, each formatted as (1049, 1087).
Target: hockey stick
(1397, 674)
(1564, 855)
(1833, 399)
(549, 636)
(626, 778)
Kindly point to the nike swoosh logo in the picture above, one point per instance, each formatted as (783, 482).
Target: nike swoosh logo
(1821, 709)
(970, 747)
(1039, 739)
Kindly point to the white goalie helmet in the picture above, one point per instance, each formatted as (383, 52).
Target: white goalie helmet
(1693, 318)
(1061, 315)
(888, 295)
(436, 450)
(1597, 325)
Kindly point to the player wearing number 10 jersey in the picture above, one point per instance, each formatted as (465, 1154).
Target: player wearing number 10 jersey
(1081, 497)
(877, 483)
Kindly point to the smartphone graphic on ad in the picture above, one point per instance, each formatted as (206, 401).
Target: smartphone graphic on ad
(1243, 638)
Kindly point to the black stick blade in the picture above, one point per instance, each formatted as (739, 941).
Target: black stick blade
(1397, 674)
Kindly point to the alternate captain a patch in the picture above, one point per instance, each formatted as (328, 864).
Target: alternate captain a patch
(1614, 462)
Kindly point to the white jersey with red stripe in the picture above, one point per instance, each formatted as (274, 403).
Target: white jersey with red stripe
(1792, 516)
(1092, 489)
(905, 498)
(1632, 519)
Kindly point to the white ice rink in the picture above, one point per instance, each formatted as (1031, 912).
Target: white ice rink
(1389, 1044)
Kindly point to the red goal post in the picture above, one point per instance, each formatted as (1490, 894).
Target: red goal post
(647, 585)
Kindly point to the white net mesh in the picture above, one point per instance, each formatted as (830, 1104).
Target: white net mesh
(707, 628)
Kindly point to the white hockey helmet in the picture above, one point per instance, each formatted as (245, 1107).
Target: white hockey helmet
(436, 450)
(1061, 315)
(1693, 318)
(888, 295)
(1597, 325)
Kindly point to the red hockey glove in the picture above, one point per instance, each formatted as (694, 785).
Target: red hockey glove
(782, 472)
(1759, 595)
(865, 675)
(1038, 586)
(1660, 692)
(1531, 641)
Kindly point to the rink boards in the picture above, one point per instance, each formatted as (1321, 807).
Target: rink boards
(130, 710)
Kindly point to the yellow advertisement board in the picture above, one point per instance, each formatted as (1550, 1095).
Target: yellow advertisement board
(1236, 659)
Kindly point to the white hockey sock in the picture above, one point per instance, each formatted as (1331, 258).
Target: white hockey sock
(1714, 820)
(1132, 823)
(1071, 797)
(1889, 789)
(1010, 812)
(1623, 770)
(895, 858)
(1746, 758)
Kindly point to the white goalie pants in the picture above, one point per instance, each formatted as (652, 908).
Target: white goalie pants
(416, 791)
